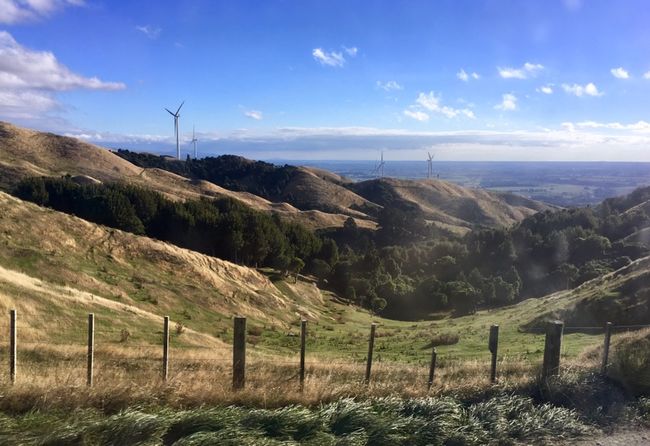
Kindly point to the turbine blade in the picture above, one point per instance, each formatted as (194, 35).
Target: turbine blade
(180, 106)
(169, 112)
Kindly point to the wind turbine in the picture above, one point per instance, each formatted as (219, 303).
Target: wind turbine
(194, 141)
(379, 168)
(430, 164)
(176, 116)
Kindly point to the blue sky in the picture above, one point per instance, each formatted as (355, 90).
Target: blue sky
(482, 80)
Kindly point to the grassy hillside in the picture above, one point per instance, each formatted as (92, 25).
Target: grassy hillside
(55, 268)
(449, 206)
(65, 266)
(25, 153)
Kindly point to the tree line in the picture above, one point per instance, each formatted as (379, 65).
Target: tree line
(230, 171)
(223, 228)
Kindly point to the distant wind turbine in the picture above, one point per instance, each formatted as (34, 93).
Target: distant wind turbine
(379, 168)
(194, 141)
(430, 164)
(176, 116)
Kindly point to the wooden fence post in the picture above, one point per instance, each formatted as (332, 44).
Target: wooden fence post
(239, 354)
(91, 349)
(303, 341)
(165, 359)
(432, 368)
(493, 345)
(12, 346)
(552, 349)
(371, 347)
(608, 337)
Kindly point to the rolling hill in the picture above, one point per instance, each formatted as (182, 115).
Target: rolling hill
(25, 153)
(444, 204)
(63, 266)
(60, 267)
(450, 205)
(313, 197)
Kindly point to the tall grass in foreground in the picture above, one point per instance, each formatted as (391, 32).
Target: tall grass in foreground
(54, 377)
(388, 421)
(130, 405)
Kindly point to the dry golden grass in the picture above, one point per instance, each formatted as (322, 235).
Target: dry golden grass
(25, 153)
(54, 377)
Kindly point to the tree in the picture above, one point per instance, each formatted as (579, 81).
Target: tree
(378, 304)
(320, 269)
(296, 265)
(329, 252)
(462, 296)
(504, 293)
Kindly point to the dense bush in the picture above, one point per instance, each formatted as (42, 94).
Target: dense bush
(232, 172)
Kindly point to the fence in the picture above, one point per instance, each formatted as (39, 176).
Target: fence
(554, 332)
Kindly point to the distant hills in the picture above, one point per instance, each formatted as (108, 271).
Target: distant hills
(518, 248)
(449, 206)
(310, 196)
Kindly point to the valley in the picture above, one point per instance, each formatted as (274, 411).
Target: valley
(448, 262)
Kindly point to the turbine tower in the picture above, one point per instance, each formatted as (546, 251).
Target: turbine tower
(194, 141)
(379, 168)
(176, 116)
(430, 164)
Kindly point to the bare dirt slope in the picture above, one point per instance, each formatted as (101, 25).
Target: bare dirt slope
(25, 153)
(53, 264)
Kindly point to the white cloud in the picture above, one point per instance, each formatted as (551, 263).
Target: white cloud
(352, 52)
(21, 67)
(389, 85)
(524, 72)
(28, 80)
(18, 11)
(546, 89)
(431, 102)
(589, 89)
(27, 104)
(508, 102)
(362, 142)
(646, 75)
(153, 32)
(332, 59)
(620, 73)
(463, 76)
(417, 115)
(639, 126)
(254, 114)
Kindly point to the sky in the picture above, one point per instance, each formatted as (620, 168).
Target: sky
(555, 80)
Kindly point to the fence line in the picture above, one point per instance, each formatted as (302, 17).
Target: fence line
(550, 366)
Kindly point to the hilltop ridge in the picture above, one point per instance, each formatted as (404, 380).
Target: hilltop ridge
(25, 153)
